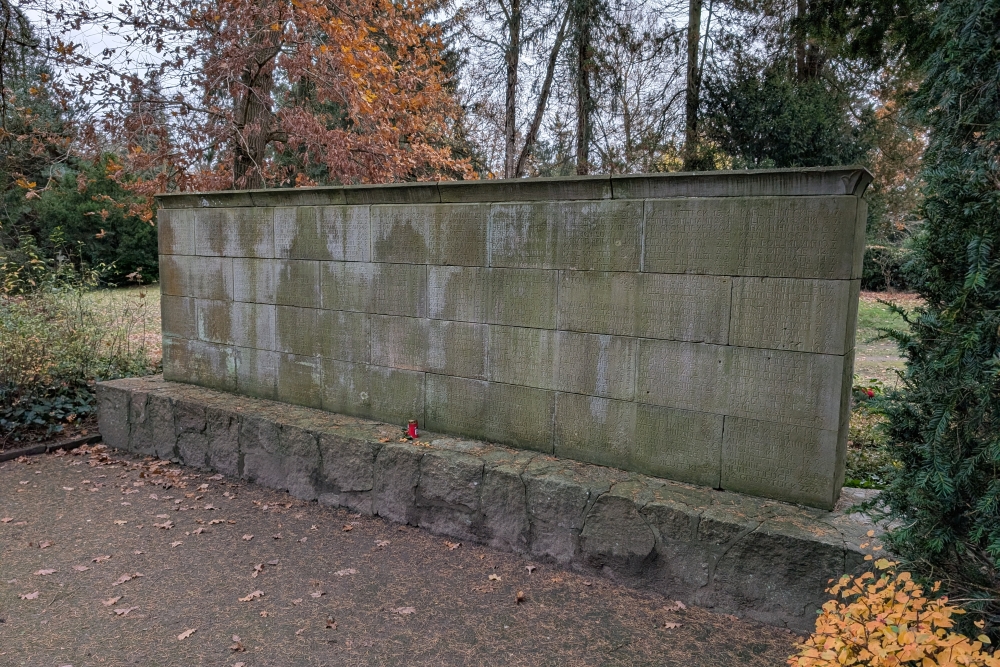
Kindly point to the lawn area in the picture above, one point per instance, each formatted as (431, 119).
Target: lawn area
(879, 359)
(137, 310)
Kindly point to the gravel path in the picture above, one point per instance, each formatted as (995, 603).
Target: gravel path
(114, 560)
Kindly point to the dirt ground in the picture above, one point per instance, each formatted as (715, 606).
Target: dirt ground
(113, 560)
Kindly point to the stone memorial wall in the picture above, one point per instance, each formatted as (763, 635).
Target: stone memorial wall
(697, 327)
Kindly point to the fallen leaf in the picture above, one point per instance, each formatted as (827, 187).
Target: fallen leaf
(299, 631)
(530, 568)
(237, 646)
(519, 598)
(252, 596)
(111, 601)
(101, 559)
(198, 531)
(247, 538)
(316, 594)
(587, 582)
(342, 573)
(348, 528)
(175, 544)
(120, 522)
(162, 516)
(137, 552)
(403, 611)
(44, 545)
(6, 519)
(166, 525)
(273, 562)
(670, 625)
(124, 611)
(29, 596)
(215, 521)
(382, 543)
(186, 633)
(240, 664)
(313, 527)
(264, 614)
(42, 573)
(67, 488)
(494, 577)
(452, 545)
(203, 487)
(215, 478)
(211, 507)
(676, 605)
(122, 579)
(297, 601)
(80, 568)
(257, 569)
(331, 624)
(277, 537)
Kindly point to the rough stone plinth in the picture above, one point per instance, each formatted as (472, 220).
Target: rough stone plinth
(763, 559)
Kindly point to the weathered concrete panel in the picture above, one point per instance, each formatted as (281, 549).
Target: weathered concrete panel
(452, 234)
(798, 237)
(521, 356)
(597, 365)
(592, 236)
(254, 280)
(297, 283)
(257, 372)
(364, 390)
(176, 231)
(177, 316)
(516, 297)
(340, 233)
(502, 413)
(235, 323)
(384, 289)
(235, 232)
(197, 362)
(776, 385)
(793, 314)
(673, 307)
(678, 444)
(781, 461)
(300, 380)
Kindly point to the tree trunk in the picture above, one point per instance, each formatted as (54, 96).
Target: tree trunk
(253, 116)
(692, 92)
(800, 43)
(512, 58)
(584, 102)
(543, 98)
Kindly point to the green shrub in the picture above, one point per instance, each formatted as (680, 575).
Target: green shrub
(885, 268)
(56, 340)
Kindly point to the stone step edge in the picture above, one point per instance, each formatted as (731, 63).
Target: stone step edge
(757, 558)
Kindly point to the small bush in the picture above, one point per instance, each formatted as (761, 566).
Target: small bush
(883, 618)
(885, 268)
(56, 340)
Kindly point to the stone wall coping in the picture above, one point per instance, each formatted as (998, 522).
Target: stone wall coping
(761, 558)
(849, 180)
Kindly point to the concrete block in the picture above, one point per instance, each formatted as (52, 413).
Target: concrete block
(526, 189)
(175, 275)
(257, 372)
(384, 289)
(254, 280)
(672, 307)
(190, 427)
(393, 193)
(523, 356)
(593, 235)
(316, 196)
(458, 293)
(503, 413)
(344, 335)
(388, 394)
(197, 362)
(210, 278)
(451, 479)
(792, 237)
(175, 231)
(300, 380)
(774, 385)
(792, 463)
(452, 234)
(596, 365)
(558, 503)
(457, 348)
(678, 444)
(503, 505)
(339, 233)
(113, 415)
(595, 430)
(792, 314)
(297, 331)
(616, 535)
(348, 466)
(860, 234)
(234, 232)
(178, 316)
(258, 438)
(219, 199)
(516, 297)
(235, 323)
(223, 430)
(297, 283)
(397, 472)
(151, 422)
(285, 457)
(744, 183)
